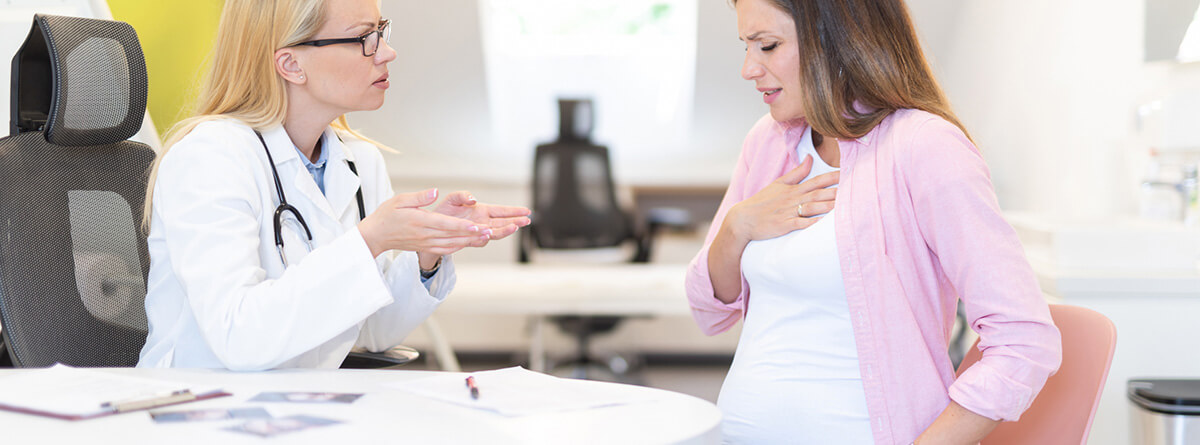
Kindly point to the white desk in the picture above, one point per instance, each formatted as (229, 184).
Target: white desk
(383, 415)
(541, 290)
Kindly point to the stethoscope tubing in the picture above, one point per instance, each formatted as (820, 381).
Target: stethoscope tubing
(277, 219)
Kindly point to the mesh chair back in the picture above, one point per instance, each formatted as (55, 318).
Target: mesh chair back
(574, 202)
(82, 81)
(73, 263)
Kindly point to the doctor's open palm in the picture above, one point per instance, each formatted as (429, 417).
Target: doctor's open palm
(502, 220)
(459, 221)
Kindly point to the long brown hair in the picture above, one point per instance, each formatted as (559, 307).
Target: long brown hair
(862, 52)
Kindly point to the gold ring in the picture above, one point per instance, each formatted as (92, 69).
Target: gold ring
(800, 210)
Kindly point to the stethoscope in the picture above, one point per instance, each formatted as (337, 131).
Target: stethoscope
(285, 207)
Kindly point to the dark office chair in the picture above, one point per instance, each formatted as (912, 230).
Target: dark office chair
(73, 263)
(575, 207)
(574, 200)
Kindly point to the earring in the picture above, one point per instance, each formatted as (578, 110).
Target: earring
(301, 77)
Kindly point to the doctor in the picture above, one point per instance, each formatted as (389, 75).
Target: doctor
(275, 238)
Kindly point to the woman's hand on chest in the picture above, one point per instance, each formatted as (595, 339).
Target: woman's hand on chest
(784, 205)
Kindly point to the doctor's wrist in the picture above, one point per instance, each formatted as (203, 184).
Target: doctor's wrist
(428, 262)
(427, 273)
(365, 230)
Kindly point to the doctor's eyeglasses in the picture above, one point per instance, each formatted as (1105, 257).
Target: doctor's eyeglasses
(369, 41)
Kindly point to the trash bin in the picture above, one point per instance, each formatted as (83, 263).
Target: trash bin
(1165, 411)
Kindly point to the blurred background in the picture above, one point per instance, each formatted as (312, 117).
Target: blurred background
(1087, 112)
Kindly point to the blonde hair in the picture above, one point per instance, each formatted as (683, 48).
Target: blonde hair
(241, 82)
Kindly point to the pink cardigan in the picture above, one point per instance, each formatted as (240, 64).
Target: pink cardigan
(918, 226)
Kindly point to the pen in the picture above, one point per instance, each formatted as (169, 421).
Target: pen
(474, 389)
(183, 395)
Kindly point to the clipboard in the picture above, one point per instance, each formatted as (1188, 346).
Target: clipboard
(67, 393)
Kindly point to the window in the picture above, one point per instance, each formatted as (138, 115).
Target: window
(635, 60)
(1189, 49)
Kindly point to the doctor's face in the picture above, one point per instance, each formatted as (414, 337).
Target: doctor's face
(772, 57)
(339, 75)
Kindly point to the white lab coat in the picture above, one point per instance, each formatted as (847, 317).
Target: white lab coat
(218, 293)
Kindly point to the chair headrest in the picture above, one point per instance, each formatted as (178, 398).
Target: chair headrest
(575, 120)
(81, 81)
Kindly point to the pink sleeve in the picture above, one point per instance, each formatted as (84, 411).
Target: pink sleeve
(959, 218)
(714, 316)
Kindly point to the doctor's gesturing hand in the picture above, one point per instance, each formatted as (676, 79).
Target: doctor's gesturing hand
(503, 220)
(457, 222)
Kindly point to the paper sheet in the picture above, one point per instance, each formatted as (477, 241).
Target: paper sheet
(65, 390)
(518, 392)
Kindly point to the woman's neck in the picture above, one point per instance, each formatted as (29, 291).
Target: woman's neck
(304, 125)
(305, 136)
(828, 149)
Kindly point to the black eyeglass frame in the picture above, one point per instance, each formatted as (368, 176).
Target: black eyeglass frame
(383, 31)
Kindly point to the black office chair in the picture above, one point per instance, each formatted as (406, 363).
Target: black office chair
(574, 200)
(575, 207)
(73, 263)
(72, 260)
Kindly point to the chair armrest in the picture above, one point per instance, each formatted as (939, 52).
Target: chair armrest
(523, 243)
(393, 357)
(675, 217)
(657, 218)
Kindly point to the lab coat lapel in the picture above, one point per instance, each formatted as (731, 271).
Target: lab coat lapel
(281, 147)
(287, 161)
(341, 184)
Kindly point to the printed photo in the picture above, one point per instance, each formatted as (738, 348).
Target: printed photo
(282, 425)
(209, 415)
(306, 397)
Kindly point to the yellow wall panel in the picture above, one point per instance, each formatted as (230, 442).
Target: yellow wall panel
(176, 36)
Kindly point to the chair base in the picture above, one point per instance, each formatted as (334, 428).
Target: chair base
(616, 369)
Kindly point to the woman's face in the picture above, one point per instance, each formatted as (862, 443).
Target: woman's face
(338, 75)
(772, 58)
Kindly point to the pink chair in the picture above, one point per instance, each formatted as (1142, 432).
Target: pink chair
(1063, 411)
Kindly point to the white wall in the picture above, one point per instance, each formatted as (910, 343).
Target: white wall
(726, 105)
(1049, 90)
(436, 108)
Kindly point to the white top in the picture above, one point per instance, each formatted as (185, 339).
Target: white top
(219, 295)
(795, 376)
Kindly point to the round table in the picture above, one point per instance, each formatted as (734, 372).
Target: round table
(382, 415)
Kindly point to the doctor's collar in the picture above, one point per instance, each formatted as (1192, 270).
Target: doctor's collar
(283, 150)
